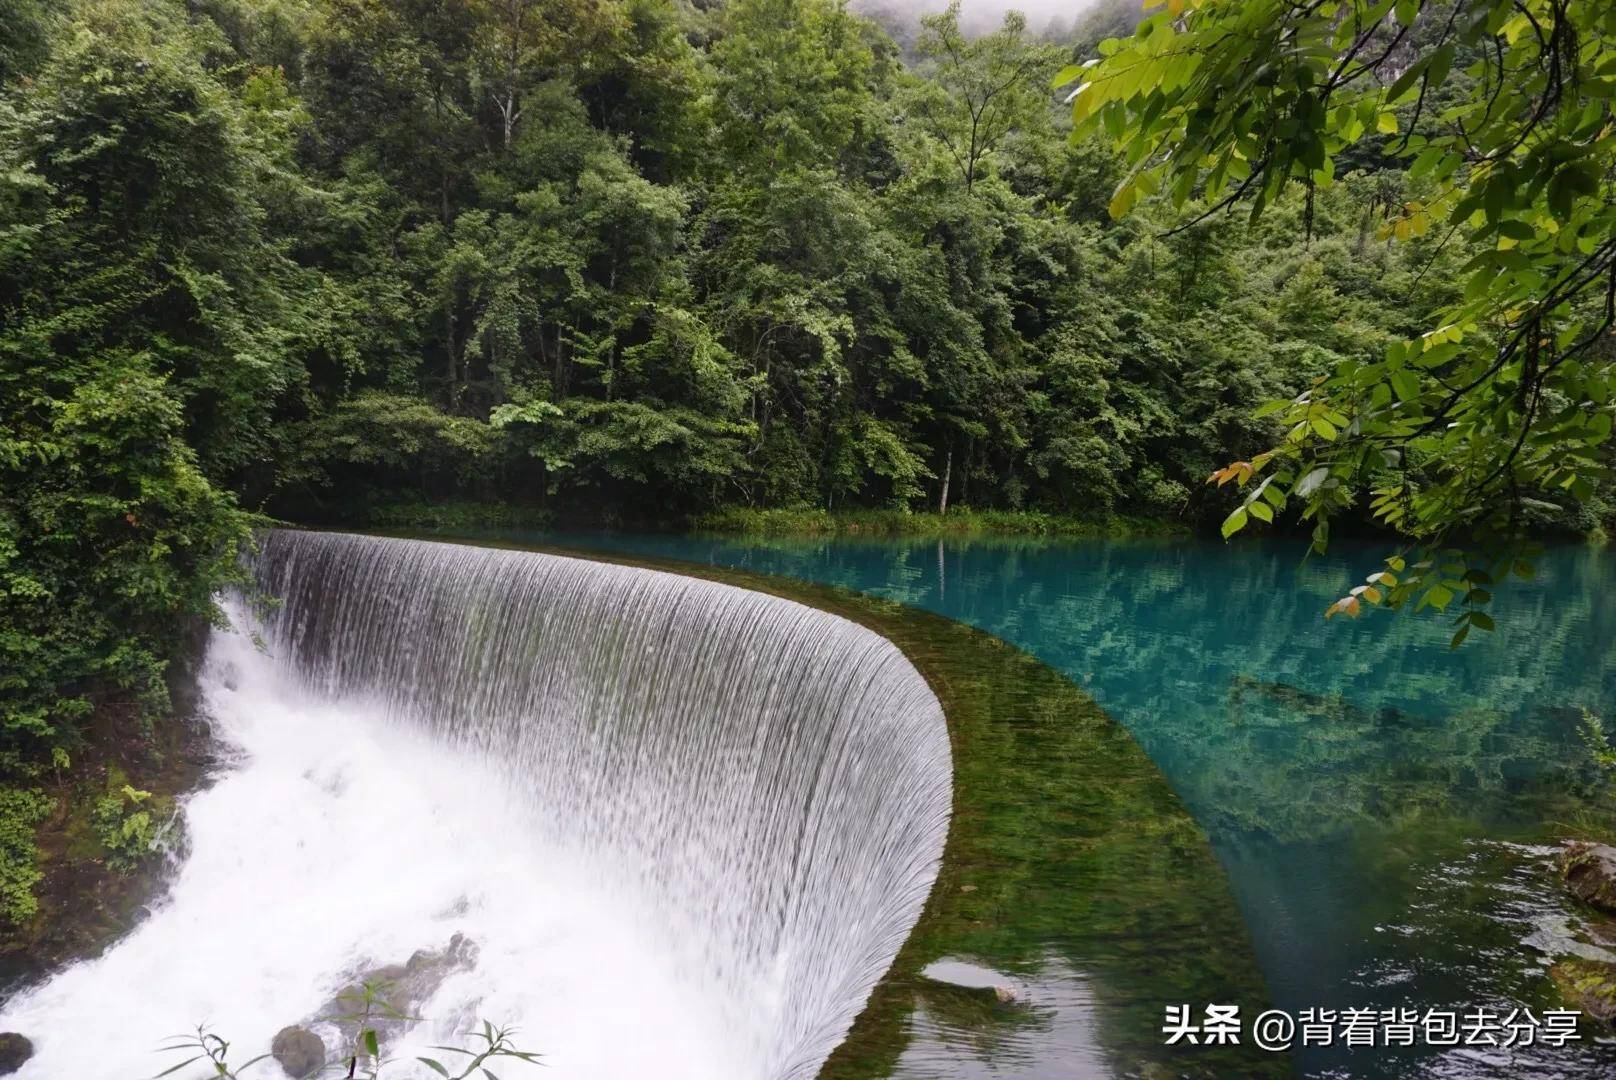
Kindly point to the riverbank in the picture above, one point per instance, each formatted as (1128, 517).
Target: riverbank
(808, 522)
(747, 521)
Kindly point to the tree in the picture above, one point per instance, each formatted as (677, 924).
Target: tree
(793, 83)
(524, 41)
(1501, 113)
(985, 88)
(143, 344)
(26, 23)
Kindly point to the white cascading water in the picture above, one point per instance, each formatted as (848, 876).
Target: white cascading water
(688, 826)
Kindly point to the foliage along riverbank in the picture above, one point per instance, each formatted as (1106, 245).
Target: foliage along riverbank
(744, 521)
(464, 515)
(101, 824)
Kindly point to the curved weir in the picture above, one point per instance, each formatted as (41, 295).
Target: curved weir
(687, 826)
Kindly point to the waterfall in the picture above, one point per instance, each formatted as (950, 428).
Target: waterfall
(687, 825)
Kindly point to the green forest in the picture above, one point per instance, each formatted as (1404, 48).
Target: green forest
(650, 262)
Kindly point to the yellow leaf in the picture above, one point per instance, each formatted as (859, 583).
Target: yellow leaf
(1347, 605)
(1127, 194)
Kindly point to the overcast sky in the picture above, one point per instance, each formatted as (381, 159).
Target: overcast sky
(976, 14)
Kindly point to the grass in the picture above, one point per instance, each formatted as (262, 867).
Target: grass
(748, 521)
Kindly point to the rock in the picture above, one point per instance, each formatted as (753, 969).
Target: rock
(299, 1051)
(963, 975)
(461, 952)
(15, 1049)
(398, 989)
(1588, 986)
(1557, 935)
(1590, 873)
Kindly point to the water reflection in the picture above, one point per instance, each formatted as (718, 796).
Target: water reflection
(948, 1036)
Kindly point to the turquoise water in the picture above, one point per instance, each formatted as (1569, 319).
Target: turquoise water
(1378, 800)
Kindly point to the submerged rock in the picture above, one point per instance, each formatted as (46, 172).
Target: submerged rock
(397, 989)
(1557, 936)
(963, 975)
(300, 1051)
(1590, 873)
(1589, 986)
(15, 1050)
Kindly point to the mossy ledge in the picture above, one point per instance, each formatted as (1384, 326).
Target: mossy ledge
(85, 901)
(1066, 845)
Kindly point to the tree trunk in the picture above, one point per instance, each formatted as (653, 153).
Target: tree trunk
(965, 473)
(948, 473)
(454, 359)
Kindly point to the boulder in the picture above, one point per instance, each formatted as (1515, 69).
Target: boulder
(964, 975)
(15, 1050)
(1590, 873)
(398, 989)
(300, 1051)
(1588, 986)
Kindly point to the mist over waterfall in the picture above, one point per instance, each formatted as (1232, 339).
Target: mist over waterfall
(686, 826)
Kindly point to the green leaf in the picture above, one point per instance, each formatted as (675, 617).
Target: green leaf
(1234, 522)
(1066, 75)
(1123, 200)
(1269, 408)
(1406, 81)
(433, 1065)
(1441, 63)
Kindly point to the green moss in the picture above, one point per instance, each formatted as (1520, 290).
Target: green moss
(1587, 985)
